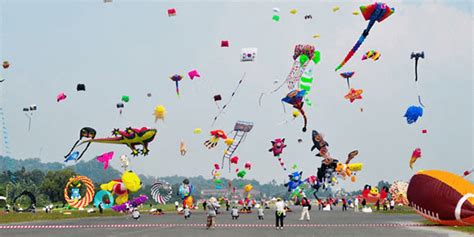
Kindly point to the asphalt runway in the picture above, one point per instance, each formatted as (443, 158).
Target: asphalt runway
(334, 223)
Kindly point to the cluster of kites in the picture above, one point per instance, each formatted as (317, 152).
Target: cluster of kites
(297, 86)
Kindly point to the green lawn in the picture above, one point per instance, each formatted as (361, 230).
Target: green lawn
(467, 229)
(396, 210)
(58, 214)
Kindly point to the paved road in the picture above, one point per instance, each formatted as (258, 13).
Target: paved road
(335, 223)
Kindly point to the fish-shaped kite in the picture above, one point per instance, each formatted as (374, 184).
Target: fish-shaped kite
(415, 156)
(105, 158)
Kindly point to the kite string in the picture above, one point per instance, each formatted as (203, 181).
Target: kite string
(230, 99)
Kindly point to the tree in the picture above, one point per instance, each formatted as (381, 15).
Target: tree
(54, 183)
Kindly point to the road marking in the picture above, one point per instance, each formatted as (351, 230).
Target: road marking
(203, 225)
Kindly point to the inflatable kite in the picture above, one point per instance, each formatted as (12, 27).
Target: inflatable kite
(129, 204)
(442, 197)
(413, 113)
(295, 98)
(277, 148)
(105, 158)
(372, 54)
(398, 191)
(161, 192)
(318, 141)
(182, 148)
(372, 194)
(185, 191)
(104, 197)
(176, 78)
(86, 132)
(160, 112)
(30, 208)
(5, 65)
(302, 57)
(75, 200)
(376, 12)
(61, 96)
(131, 137)
(241, 128)
(415, 156)
(215, 136)
(129, 183)
(468, 172)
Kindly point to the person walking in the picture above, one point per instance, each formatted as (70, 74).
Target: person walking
(356, 204)
(261, 212)
(306, 204)
(279, 213)
(234, 213)
(344, 204)
(211, 206)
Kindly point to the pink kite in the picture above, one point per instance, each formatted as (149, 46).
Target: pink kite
(248, 165)
(171, 12)
(105, 158)
(225, 43)
(61, 96)
(193, 73)
(234, 160)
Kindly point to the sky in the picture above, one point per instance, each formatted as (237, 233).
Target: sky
(132, 47)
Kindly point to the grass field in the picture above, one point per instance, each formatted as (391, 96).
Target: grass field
(58, 214)
(467, 229)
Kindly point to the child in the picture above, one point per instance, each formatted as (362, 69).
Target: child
(235, 213)
(260, 212)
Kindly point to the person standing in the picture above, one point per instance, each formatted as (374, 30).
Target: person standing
(364, 203)
(392, 204)
(260, 212)
(279, 213)
(377, 205)
(306, 204)
(101, 208)
(211, 206)
(235, 213)
(344, 204)
(356, 204)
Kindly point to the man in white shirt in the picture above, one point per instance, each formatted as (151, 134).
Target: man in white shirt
(279, 213)
(356, 205)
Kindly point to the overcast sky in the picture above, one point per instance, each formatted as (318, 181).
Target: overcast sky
(132, 47)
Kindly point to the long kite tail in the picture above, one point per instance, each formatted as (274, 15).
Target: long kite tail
(177, 88)
(305, 118)
(282, 164)
(416, 69)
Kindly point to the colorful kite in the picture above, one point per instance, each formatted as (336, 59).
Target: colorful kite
(215, 136)
(61, 96)
(347, 76)
(129, 204)
(129, 183)
(295, 98)
(176, 78)
(413, 113)
(372, 54)
(248, 54)
(105, 158)
(160, 112)
(277, 148)
(193, 73)
(376, 12)
(75, 200)
(415, 156)
(318, 141)
(131, 137)
(354, 94)
(241, 128)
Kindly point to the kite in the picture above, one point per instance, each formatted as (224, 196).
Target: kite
(81, 87)
(306, 79)
(171, 12)
(125, 98)
(413, 113)
(241, 128)
(124, 162)
(104, 197)
(5, 64)
(376, 12)
(61, 96)
(347, 76)
(75, 200)
(276, 18)
(295, 181)
(105, 158)
(317, 36)
(176, 78)
(248, 165)
(295, 98)
(335, 9)
(129, 183)
(72, 156)
(160, 112)
(293, 11)
(277, 148)
(372, 54)
(182, 148)
(161, 191)
(29, 115)
(234, 160)
(131, 137)
(318, 141)
(398, 192)
(355, 13)
(216, 176)
(308, 17)
(185, 191)
(107, 1)
(248, 54)
(372, 194)
(468, 172)
(442, 197)
(230, 100)
(215, 135)
(354, 94)
(276, 9)
(302, 56)
(351, 156)
(224, 43)
(193, 73)
(415, 156)
(241, 173)
(197, 131)
(416, 56)
(132, 203)
(148, 94)
(86, 132)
